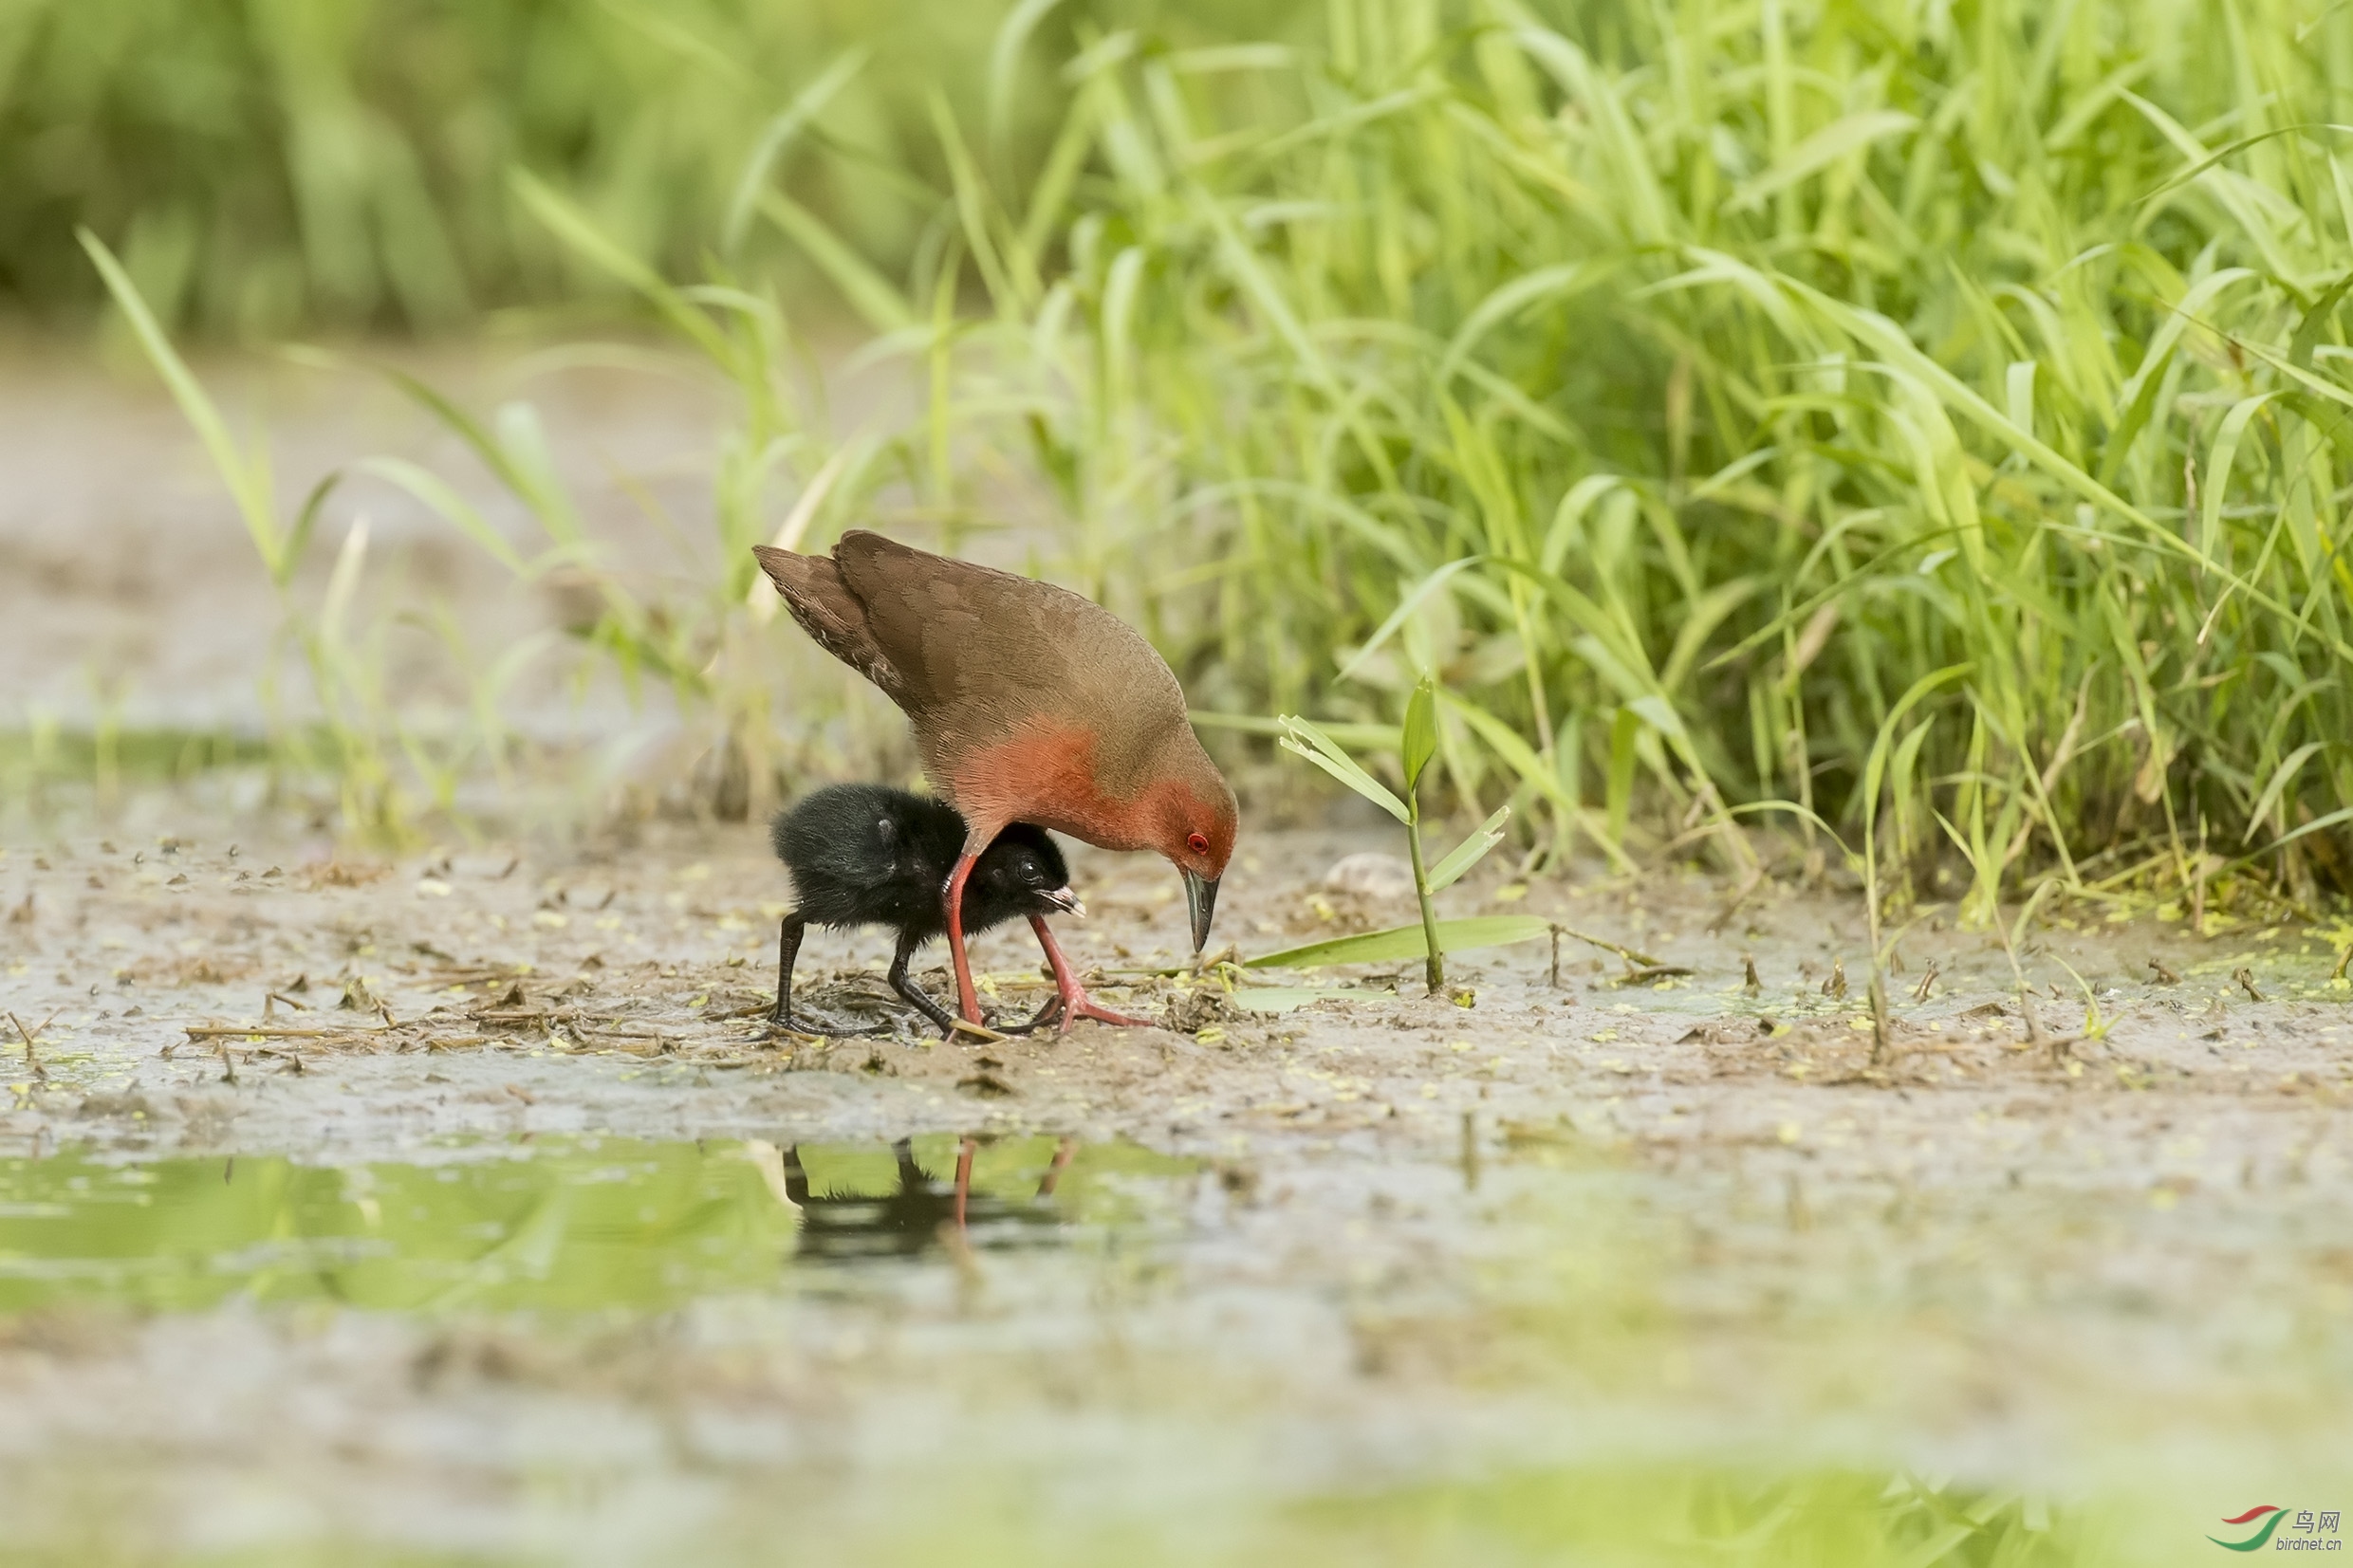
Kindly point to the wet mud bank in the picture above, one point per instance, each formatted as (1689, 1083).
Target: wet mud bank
(351, 1201)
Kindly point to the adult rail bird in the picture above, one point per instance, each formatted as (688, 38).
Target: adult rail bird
(1029, 703)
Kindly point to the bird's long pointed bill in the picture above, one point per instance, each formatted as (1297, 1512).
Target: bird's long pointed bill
(1066, 901)
(1201, 899)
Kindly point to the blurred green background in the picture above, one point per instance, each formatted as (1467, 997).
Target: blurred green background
(266, 167)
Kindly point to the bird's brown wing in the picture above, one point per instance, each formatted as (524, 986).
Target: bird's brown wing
(955, 631)
(814, 591)
(978, 651)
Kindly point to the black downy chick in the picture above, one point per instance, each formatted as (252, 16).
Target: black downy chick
(867, 855)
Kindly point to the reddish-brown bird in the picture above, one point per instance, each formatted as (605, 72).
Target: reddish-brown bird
(1029, 704)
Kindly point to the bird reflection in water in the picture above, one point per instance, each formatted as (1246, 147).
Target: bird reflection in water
(919, 1212)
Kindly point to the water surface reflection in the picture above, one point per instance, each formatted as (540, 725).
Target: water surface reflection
(559, 1225)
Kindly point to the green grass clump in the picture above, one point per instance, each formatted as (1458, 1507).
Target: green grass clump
(1926, 424)
(1712, 394)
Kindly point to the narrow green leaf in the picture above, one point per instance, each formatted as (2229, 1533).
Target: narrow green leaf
(1625, 727)
(2184, 176)
(462, 425)
(1371, 737)
(1380, 947)
(2018, 391)
(1006, 290)
(1819, 151)
(1875, 767)
(2281, 778)
(1317, 748)
(1470, 852)
(2316, 321)
(1518, 755)
(453, 507)
(1406, 606)
(248, 483)
(1420, 738)
(2218, 476)
(1005, 60)
(1568, 518)
(306, 522)
(572, 226)
(1546, 283)
(868, 292)
(806, 107)
(1655, 712)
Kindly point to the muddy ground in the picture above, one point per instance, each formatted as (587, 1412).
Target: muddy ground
(1665, 1219)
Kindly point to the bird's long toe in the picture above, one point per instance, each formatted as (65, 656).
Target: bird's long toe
(1075, 1004)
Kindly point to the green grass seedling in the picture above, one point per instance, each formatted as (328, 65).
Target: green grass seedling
(1416, 746)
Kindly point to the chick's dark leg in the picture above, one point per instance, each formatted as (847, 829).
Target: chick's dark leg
(968, 1001)
(1071, 997)
(796, 1176)
(787, 949)
(905, 984)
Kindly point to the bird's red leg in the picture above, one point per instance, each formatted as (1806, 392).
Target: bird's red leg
(964, 1180)
(1076, 1003)
(1062, 1162)
(968, 1001)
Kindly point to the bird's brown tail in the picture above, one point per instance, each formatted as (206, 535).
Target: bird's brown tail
(827, 611)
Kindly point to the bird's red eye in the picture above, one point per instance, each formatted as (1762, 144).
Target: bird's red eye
(1198, 844)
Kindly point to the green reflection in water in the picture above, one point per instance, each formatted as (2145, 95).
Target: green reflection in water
(1678, 1513)
(573, 1225)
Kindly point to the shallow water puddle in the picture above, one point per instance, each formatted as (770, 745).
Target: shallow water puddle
(571, 1225)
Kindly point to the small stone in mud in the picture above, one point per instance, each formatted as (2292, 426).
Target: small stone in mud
(1371, 874)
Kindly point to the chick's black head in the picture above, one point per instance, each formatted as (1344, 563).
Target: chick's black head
(1021, 874)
